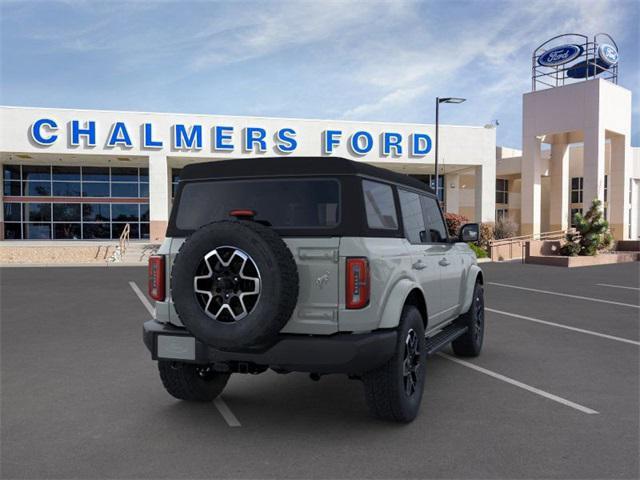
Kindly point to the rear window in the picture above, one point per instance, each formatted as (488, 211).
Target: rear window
(282, 203)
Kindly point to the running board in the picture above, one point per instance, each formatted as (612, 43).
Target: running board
(444, 337)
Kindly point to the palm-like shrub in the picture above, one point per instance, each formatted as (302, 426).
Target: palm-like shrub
(592, 233)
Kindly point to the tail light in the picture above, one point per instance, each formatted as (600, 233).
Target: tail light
(357, 282)
(156, 277)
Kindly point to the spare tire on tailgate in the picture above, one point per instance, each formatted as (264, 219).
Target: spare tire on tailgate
(234, 284)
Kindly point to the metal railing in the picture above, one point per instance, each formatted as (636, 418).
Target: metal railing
(552, 235)
(543, 76)
(517, 244)
(123, 243)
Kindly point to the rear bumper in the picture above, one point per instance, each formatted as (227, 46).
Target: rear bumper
(340, 353)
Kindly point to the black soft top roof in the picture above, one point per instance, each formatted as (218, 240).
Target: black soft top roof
(293, 166)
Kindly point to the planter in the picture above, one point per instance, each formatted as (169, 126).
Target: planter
(602, 259)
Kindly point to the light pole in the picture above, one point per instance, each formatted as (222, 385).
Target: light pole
(438, 102)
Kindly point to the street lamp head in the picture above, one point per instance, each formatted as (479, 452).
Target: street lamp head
(451, 100)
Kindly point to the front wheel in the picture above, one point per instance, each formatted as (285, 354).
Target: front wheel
(470, 344)
(394, 391)
(195, 383)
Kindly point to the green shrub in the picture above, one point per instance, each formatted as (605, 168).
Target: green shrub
(592, 233)
(480, 252)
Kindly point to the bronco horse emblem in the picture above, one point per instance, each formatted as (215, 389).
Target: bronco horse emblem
(322, 280)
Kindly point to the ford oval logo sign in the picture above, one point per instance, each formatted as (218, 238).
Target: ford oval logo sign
(560, 55)
(608, 54)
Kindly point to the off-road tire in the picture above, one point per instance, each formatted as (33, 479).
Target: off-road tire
(278, 285)
(384, 387)
(191, 382)
(470, 343)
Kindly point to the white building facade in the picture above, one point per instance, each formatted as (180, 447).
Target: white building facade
(85, 174)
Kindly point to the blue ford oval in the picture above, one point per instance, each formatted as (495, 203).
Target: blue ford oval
(560, 55)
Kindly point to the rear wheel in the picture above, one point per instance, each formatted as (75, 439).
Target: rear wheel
(470, 344)
(394, 391)
(195, 383)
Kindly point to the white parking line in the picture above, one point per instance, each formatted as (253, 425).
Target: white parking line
(616, 286)
(590, 299)
(524, 386)
(143, 298)
(581, 330)
(226, 412)
(219, 403)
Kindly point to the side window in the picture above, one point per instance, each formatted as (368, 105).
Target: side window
(379, 204)
(412, 216)
(436, 230)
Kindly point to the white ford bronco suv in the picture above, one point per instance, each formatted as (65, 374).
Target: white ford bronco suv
(318, 265)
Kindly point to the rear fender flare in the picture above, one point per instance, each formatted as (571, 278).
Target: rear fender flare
(396, 300)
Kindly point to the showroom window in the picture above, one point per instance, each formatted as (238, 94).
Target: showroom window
(175, 178)
(576, 189)
(63, 181)
(502, 190)
(430, 180)
(74, 221)
(95, 202)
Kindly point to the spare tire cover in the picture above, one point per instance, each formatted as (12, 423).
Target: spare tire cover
(234, 284)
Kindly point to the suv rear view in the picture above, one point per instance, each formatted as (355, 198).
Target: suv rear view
(312, 265)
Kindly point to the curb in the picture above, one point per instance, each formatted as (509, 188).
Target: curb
(70, 265)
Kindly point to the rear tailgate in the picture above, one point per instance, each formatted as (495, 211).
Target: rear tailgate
(317, 259)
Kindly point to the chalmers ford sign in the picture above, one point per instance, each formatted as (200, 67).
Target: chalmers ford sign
(46, 132)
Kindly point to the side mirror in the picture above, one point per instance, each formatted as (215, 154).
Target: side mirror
(470, 232)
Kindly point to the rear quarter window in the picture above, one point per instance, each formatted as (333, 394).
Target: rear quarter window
(379, 205)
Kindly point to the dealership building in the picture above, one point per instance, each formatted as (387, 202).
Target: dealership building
(86, 174)
(83, 174)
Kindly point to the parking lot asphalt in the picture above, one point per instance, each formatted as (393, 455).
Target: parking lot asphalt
(81, 397)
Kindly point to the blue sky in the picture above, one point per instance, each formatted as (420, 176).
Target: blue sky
(355, 60)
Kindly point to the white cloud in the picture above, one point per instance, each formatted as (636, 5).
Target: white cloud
(396, 98)
(362, 60)
(495, 50)
(286, 25)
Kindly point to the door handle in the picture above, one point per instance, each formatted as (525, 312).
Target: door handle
(444, 262)
(419, 265)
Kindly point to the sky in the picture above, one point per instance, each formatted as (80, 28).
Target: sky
(345, 60)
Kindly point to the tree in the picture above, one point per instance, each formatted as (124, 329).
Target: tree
(592, 233)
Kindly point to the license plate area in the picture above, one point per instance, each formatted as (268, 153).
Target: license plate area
(174, 347)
